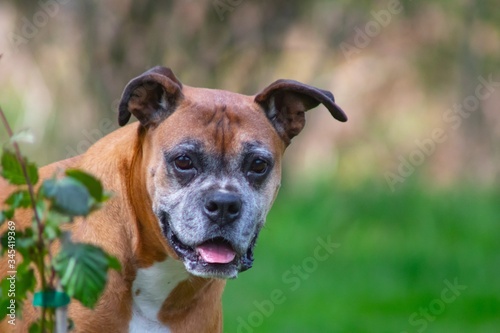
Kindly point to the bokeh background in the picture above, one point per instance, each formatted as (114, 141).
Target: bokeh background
(406, 190)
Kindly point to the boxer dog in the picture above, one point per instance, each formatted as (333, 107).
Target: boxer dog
(193, 181)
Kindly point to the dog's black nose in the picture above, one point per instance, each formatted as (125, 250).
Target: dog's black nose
(222, 207)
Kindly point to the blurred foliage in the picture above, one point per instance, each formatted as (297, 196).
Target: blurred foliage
(66, 78)
(397, 247)
(396, 252)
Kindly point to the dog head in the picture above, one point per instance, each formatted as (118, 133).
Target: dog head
(214, 162)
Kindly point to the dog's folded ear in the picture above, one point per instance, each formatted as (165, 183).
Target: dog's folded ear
(150, 97)
(285, 102)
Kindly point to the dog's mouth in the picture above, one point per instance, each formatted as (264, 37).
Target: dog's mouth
(216, 251)
(213, 258)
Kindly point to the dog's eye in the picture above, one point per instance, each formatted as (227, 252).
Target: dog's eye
(183, 162)
(258, 166)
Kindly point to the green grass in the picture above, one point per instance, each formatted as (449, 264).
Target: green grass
(397, 250)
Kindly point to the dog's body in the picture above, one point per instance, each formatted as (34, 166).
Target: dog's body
(193, 181)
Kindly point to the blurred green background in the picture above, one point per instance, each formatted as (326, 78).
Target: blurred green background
(407, 189)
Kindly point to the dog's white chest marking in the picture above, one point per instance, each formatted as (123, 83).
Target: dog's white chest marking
(150, 289)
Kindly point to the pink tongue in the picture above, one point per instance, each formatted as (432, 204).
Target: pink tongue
(216, 253)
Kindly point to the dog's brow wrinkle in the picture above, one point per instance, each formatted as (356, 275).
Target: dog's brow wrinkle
(211, 117)
(257, 147)
(190, 144)
(222, 131)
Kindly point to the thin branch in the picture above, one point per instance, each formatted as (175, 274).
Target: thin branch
(31, 191)
(24, 169)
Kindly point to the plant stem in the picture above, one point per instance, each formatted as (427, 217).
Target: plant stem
(25, 171)
(40, 243)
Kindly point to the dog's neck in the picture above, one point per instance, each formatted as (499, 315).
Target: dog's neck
(149, 244)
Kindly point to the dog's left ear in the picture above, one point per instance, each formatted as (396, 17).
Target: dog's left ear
(150, 97)
(285, 102)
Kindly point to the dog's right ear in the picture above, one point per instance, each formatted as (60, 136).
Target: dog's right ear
(150, 97)
(286, 101)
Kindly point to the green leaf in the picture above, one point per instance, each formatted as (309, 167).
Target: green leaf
(8, 240)
(24, 242)
(35, 327)
(4, 298)
(32, 172)
(49, 188)
(51, 232)
(12, 171)
(68, 196)
(114, 263)
(2, 217)
(19, 289)
(4, 303)
(18, 199)
(9, 213)
(53, 221)
(56, 219)
(41, 206)
(92, 184)
(26, 281)
(82, 269)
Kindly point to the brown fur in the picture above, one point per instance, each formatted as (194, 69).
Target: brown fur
(126, 226)
(123, 228)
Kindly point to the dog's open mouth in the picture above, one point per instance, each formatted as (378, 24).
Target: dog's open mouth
(214, 258)
(216, 251)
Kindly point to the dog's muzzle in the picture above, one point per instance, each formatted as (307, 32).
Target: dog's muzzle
(217, 256)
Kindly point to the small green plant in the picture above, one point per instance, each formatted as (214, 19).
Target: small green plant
(78, 271)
